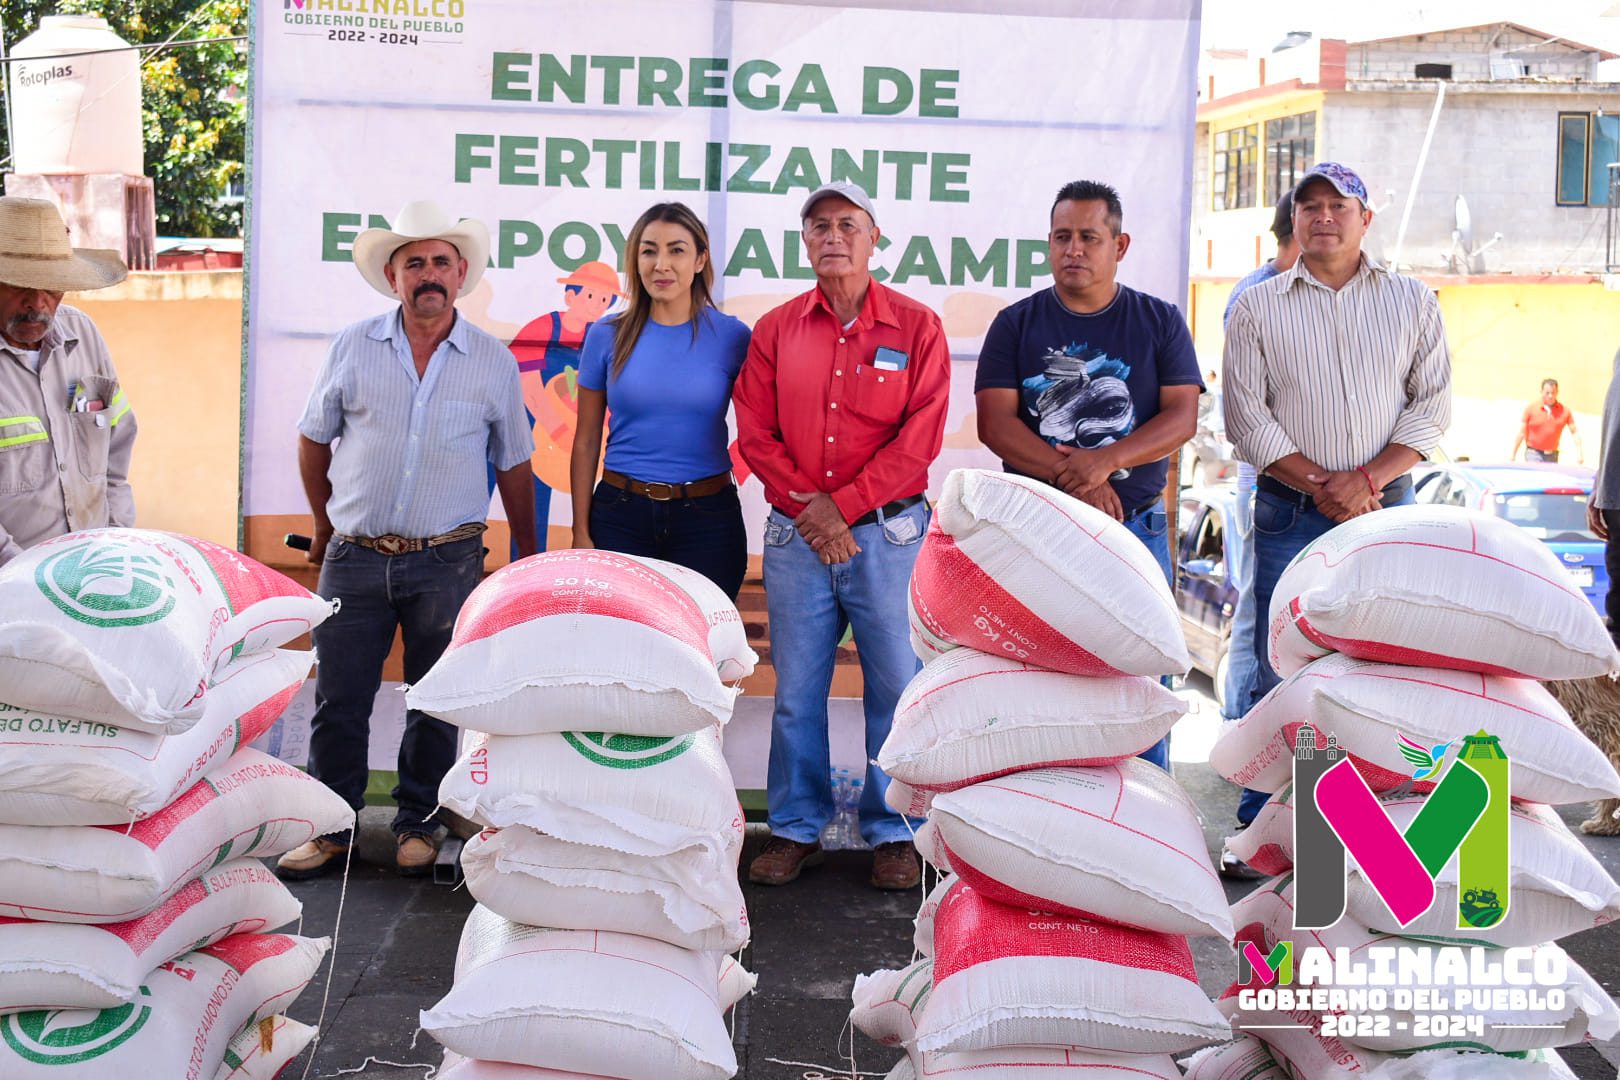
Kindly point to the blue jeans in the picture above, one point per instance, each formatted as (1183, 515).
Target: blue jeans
(1240, 661)
(1152, 527)
(1282, 529)
(420, 593)
(705, 533)
(810, 606)
(1240, 640)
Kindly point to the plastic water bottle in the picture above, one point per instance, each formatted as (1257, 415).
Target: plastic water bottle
(843, 831)
(856, 790)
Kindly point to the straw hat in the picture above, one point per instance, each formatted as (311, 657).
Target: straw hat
(421, 221)
(594, 275)
(35, 253)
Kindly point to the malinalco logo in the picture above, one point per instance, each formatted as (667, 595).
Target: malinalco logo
(627, 751)
(1466, 815)
(57, 1037)
(1272, 968)
(107, 586)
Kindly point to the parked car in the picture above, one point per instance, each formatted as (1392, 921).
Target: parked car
(1210, 541)
(1547, 500)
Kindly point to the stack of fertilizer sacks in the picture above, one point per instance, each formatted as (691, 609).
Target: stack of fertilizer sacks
(591, 688)
(1057, 946)
(135, 915)
(1410, 642)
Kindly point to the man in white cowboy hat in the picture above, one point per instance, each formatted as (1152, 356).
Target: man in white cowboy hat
(66, 430)
(423, 402)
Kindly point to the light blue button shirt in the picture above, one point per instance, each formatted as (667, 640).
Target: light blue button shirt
(411, 452)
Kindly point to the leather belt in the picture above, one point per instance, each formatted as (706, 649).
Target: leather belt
(659, 492)
(1157, 500)
(1394, 492)
(888, 510)
(393, 544)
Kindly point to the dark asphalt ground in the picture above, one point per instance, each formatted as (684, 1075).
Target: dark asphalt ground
(397, 944)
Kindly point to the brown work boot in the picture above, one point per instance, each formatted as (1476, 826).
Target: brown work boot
(781, 860)
(895, 865)
(416, 854)
(318, 856)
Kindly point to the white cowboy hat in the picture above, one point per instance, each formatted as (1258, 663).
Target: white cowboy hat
(35, 253)
(421, 221)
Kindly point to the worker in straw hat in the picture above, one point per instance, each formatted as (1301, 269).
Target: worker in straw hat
(66, 430)
(423, 402)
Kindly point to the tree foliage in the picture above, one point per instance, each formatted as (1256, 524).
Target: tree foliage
(193, 99)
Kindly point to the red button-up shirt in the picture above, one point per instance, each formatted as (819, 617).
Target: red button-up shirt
(814, 413)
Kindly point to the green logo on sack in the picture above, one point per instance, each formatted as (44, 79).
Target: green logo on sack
(628, 751)
(58, 1037)
(107, 586)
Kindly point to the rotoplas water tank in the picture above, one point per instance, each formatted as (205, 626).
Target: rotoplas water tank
(75, 113)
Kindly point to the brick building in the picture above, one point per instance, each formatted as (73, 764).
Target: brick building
(1524, 134)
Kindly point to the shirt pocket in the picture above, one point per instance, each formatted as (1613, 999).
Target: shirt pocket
(92, 431)
(92, 439)
(463, 428)
(25, 452)
(880, 395)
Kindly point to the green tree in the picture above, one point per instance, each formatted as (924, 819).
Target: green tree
(193, 99)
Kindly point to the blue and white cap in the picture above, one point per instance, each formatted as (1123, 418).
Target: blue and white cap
(1342, 177)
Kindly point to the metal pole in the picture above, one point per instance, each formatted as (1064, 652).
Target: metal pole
(11, 130)
(1417, 175)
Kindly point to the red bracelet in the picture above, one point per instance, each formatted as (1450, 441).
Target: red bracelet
(1370, 485)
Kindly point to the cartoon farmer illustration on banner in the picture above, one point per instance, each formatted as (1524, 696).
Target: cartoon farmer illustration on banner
(547, 354)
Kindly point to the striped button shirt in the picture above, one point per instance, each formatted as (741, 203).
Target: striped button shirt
(412, 452)
(1336, 375)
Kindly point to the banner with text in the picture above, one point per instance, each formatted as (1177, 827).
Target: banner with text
(557, 123)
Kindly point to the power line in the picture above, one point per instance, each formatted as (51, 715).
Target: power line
(126, 48)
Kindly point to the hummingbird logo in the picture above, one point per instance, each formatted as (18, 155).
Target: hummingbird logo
(1424, 761)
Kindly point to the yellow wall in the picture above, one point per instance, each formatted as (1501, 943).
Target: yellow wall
(1505, 338)
(176, 340)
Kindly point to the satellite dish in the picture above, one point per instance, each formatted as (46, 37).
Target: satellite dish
(1465, 257)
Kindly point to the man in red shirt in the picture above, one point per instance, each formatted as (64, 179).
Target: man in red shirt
(840, 410)
(1543, 426)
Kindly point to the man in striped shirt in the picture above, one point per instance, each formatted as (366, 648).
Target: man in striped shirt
(418, 400)
(1338, 382)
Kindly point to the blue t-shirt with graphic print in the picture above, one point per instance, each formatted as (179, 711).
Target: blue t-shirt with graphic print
(1090, 380)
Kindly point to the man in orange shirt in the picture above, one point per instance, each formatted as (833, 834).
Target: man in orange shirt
(840, 410)
(1543, 426)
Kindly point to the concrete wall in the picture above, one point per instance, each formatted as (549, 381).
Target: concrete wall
(1495, 145)
(1505, 337)
(176, 339)
(1469, 52)
(1496, 148)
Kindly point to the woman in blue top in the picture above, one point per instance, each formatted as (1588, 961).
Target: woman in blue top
(663, 368)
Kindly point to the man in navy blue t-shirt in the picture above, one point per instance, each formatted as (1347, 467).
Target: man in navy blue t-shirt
(1090, 385)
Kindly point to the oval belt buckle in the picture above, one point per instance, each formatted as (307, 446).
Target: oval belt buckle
(392, 544)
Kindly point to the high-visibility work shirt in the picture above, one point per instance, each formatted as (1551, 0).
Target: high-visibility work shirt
(856, 412)
(62, 469)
